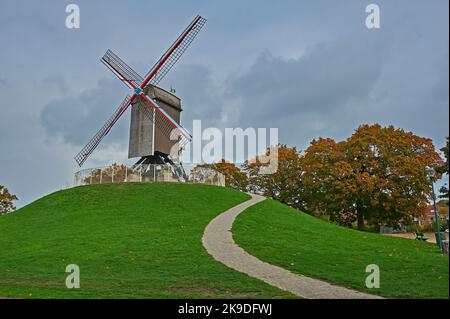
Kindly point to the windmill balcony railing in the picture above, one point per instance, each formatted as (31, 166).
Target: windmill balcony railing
(148, 173)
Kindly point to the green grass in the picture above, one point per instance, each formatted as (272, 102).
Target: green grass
(306, 245)
(130, 241)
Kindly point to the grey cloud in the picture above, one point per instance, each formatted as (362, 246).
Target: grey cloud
(322, 80)
(57, 82)
(202, 97)
(440, 90)
(77, 118)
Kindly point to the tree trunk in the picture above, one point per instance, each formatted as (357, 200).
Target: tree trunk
(360, 219)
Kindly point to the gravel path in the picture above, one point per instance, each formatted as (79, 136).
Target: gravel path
(218, 241)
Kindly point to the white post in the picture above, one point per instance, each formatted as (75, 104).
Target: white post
(112, 174)
(140, 175)
(101, 172)
(126, 174)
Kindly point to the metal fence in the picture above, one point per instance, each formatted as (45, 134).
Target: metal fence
(148, 173)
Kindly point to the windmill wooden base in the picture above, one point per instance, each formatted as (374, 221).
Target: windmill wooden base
(163, 159)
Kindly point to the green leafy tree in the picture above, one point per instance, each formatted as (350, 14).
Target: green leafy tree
(6, 200)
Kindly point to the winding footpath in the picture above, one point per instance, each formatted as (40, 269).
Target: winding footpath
(218, 241)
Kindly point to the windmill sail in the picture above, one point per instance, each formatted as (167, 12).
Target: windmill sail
(122, 70)
(168, 126)
(82, 156)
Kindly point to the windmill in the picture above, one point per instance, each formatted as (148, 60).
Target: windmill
(155, 120)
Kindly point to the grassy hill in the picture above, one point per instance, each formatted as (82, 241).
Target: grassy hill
(306, 245)
(130, 241)
(144, 241)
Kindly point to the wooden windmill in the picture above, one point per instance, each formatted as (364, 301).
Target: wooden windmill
(155, 128)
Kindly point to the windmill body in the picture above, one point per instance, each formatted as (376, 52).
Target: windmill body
(146, 139)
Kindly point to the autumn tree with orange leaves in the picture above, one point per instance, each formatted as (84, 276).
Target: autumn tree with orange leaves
(234, 177)
(284, 185)
(115, 172)
(6, 200)
(377, 176)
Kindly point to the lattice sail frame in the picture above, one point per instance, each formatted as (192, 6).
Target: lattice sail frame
(81, 157)
(117, 66)
(191, 32)
(170, 128)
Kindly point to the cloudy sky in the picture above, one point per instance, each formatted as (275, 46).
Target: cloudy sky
(310, 68)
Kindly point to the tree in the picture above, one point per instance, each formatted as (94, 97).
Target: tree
(443, 169)
(377, 176)
(324, 181)
(6, 200)
(234, 177)
(285, 184)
